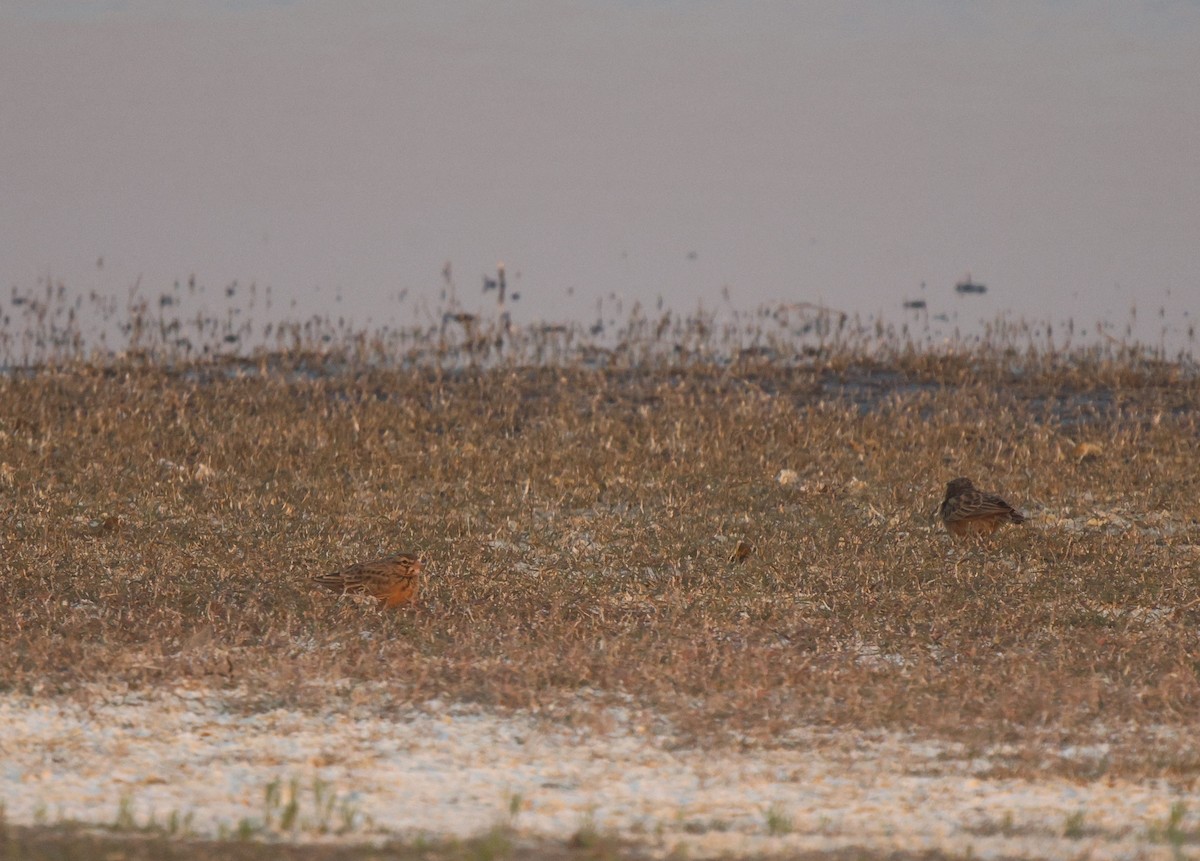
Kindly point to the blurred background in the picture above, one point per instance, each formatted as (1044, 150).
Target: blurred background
(376, 160)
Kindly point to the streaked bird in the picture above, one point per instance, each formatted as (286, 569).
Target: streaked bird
(966, 510)
(394, 580)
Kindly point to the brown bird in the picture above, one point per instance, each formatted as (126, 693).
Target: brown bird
(966, 510)
(394, 580)
(741, 552)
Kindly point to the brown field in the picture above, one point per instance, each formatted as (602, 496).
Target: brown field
(729, 529)
(162, 516)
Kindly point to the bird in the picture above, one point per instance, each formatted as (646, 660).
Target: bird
(741, 552)
(966, 510)
(394, 580)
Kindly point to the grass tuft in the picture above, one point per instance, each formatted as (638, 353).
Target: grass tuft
(779, 822)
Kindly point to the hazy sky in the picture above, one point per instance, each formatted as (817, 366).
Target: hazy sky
(841, 151)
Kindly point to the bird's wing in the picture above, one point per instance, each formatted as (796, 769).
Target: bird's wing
(971, 505)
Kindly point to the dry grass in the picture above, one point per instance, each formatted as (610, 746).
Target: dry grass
(160, 520)
(68, 843)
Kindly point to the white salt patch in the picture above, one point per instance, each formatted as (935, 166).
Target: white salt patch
(446, 771)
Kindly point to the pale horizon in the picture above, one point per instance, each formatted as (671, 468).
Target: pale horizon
(837, 153)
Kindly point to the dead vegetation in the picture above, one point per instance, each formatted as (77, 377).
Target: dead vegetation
(581, 521)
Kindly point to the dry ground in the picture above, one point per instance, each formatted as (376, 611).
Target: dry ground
(160, 522)
(68, 843)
